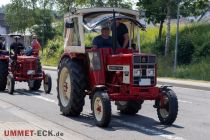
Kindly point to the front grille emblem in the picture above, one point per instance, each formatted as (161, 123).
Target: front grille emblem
(143, 59)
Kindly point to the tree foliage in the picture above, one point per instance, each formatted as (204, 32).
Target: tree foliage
(33, 14)
(193, 7)
(157, 11)
(18, 15)
(65, 5)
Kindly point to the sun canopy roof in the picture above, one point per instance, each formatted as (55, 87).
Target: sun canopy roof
(93, 11)
(109, 18)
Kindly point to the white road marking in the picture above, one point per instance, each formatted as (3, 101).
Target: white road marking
(147, 130)
(45, 99)
(185, 101)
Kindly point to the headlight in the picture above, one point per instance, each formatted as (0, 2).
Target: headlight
(150, 72)
(136, 72)
(30, 72)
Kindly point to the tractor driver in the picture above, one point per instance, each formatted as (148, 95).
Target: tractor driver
(16, 45)
(104, 40)
(122, 34)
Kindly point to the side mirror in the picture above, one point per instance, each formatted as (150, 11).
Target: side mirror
(69, 25)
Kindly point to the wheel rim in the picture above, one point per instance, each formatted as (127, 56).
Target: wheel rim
(98, 109)
(64, 87)
(164, 107)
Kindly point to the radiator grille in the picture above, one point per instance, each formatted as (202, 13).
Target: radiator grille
(146, 65)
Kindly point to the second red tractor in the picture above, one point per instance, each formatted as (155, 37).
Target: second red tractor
(17, 65)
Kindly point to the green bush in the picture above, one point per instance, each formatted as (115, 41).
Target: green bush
(197, 71)
(193, 51)
(185, 51)
(53, 51)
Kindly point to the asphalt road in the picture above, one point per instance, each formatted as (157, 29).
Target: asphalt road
(36, 110)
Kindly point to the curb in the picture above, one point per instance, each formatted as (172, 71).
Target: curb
(194, 84)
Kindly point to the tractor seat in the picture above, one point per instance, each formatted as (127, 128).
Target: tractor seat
(4, 52)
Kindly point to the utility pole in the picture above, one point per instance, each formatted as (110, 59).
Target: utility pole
(43, 26)
(177, 36)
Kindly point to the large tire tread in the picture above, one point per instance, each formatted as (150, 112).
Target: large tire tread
(3, 74)
(78, 84)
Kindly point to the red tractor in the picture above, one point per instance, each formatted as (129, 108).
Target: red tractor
(17, 65)
(123, 75)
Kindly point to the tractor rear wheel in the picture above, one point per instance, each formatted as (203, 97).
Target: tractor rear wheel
(167, 107)
(101, 108)
(129, 107)
(3, 74)
(10, 84)
(71, 84)
(36, 84)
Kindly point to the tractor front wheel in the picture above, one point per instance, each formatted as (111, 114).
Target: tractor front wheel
(10, 84)
(71, 84)
(167, 107)
(101, 108)
(129, 107)
(47, 83)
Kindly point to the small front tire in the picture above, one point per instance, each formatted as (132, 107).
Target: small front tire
(10, 84)
(101, 108)
(47, 83)
(167, 107)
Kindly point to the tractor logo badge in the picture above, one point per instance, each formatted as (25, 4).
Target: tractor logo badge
(143, 59)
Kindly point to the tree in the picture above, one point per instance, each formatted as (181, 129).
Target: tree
(33, 14)
(155, 12)
(194, 8)
(158, 10)
(119, 4)
(18, 16)
(64, 5)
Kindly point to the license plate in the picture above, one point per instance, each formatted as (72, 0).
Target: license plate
(145, 82)
(31, 72)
